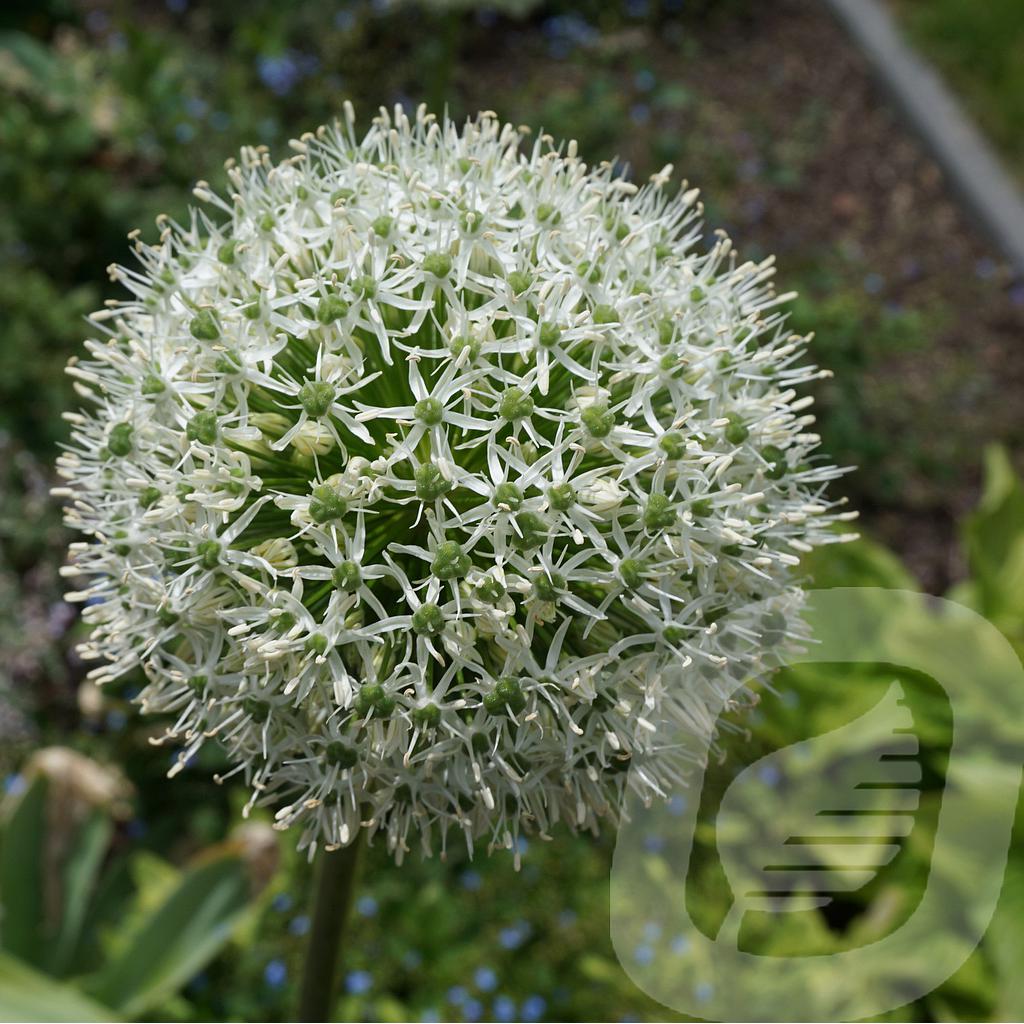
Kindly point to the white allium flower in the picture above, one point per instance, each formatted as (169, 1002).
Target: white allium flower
(427, 474)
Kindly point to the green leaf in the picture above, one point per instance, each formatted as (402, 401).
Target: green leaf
(22, 859)
(858, 563)
(1004, 943)
(112, 897)
(153, 879)
(81, 870)
(27, 995)
(994, 538)
(178, 939)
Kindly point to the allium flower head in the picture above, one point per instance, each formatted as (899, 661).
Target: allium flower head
(428, 472)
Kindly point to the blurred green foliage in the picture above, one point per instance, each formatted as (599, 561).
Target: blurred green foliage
(980, 46)
(458, 938)
(93, 933)
(108, 114)
(855, 338)
(811, 700)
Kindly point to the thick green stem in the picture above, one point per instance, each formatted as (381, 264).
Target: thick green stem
(332, 894)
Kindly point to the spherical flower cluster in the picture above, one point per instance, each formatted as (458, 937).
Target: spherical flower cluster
(430, 472)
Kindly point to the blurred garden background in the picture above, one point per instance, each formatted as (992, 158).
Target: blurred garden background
(125, 896)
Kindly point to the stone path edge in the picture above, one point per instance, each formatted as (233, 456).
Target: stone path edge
(972, 167)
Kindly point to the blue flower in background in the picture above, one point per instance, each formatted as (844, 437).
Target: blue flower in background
(403, 99)
(653, 843)
(366, 906)
(470, 880)
(472, 1010)
(533, 1008)
(176, 758)
(14, 784)
(358, 982)
(644, 80)
(565, 32)
(513, 936)
(275, 974)
(196, 106)
(643, 955)
(282, 903)
(299, 925)
(457, 995)
(485, 979)
(116, 720)
(640, 113)
(504, 1009)
(280, 73)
